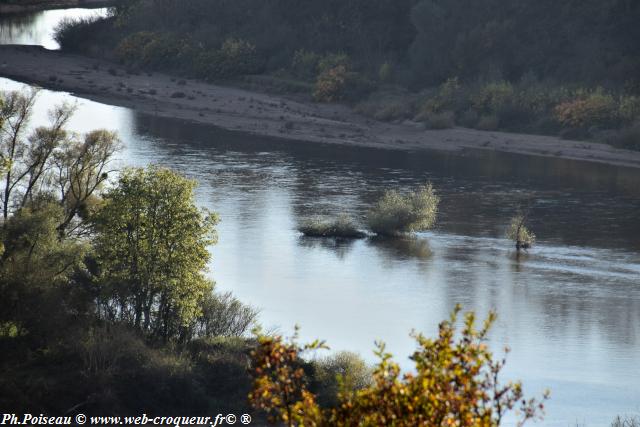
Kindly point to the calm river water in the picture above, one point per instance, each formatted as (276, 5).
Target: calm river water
(569, 310)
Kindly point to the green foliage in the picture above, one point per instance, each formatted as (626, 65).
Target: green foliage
(341, 227)
(223, 315)
(396, 214)
(235, 57)
(385, 73)
(444, 120)
(388, 104)
(493, 97)
(629, 108)
(343, 372)
(337, 82)
(153, 49)
(446, 98)
(50, 160)
(455, 382)
(151, 250)
(77, 269)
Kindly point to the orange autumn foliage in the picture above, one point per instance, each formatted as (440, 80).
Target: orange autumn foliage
(455, 383)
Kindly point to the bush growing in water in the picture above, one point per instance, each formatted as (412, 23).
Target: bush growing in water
(455, 383)
(519, 233)
(395, 214)
(343, 226)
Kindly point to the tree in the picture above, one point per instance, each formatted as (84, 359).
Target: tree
(15, 112)
(519, 233)
(396, 214)
(455, 382)
(151, 251)
(37, 271)
(50, 159)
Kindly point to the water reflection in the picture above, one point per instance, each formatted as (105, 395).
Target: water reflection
(569, 309)
(404, 248)
(37, 28)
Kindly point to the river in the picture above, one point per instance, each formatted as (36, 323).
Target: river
(569, 309)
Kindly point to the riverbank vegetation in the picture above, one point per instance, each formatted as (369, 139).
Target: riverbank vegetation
(480, 65)
(106, 305)
(455, 382)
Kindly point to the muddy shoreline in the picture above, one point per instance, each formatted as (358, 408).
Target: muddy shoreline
(270, 115)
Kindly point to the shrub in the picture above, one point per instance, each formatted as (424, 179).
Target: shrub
(238, 57)
(455, 382)
(629, 108)
(73, 34)
(342, 372)
(339, 84)
(395, 214)
(223, 315)
(333, 60)
(519, 233)
(628, 137)
(444, 120)
(385, 73)
(149, 49)
(388, 106)
(341, 227)
(488, 122)
(493, 97)
(235, 57)
(595, 109)
(448, 97)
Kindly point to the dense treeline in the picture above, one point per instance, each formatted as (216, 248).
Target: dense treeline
(542, 67)
(593, 41)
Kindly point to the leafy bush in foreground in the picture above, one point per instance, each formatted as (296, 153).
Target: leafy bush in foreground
(396, 214)
(455, 383)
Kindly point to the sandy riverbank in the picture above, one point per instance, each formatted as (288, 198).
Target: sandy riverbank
(269, 115)
(36, 5)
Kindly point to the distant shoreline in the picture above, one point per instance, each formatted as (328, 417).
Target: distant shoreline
(38, 5)
(275, 116)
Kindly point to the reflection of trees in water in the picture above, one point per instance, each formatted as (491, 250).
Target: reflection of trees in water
(18, 26)
(391, 249)
(402, 247)
(340, 247)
